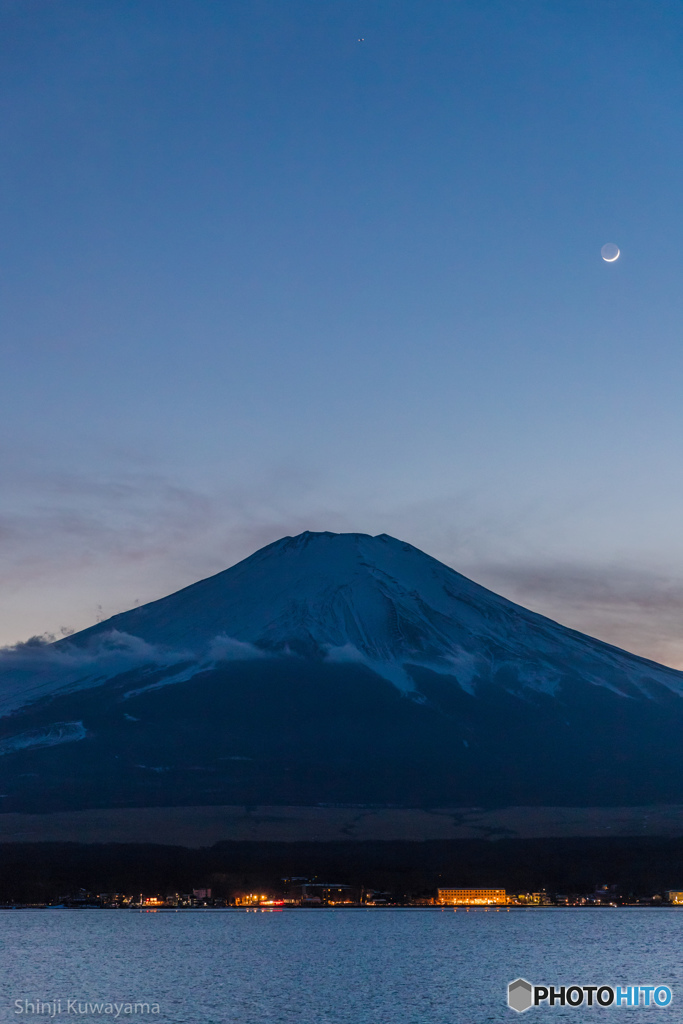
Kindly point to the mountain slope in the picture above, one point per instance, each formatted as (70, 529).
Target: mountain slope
(336, 667)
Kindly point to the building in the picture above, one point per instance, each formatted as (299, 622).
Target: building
(532, 899)
(674, 895)
(251, 899)
(472, 897)
(377, 898)
(329, 893)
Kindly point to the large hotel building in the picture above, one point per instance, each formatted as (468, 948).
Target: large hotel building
(472, 897)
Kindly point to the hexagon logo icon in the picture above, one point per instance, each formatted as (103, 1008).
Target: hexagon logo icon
(520, 995)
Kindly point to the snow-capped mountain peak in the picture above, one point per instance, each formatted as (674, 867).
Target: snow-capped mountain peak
(372, 600)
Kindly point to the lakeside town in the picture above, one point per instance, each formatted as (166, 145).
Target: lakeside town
(311, 893)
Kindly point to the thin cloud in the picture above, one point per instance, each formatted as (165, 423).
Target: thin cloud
(611, 586)
(30, 670)
(636, 609)
(38, 667)
(71, 544)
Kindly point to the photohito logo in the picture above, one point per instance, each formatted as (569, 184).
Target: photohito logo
(522, 995)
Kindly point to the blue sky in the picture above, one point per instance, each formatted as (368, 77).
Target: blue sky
(259, 276)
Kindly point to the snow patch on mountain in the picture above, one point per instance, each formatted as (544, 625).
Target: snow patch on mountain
(392, 671)
(51, 736)
(466, 667)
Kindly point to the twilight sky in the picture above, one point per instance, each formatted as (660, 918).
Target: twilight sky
(259, 276)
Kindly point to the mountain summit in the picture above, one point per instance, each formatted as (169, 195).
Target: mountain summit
(336, 667)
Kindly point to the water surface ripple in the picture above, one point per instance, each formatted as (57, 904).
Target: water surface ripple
(334, 966)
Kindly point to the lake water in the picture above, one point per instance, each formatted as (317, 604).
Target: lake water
(332, 966)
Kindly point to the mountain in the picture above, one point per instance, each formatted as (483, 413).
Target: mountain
(336, 669)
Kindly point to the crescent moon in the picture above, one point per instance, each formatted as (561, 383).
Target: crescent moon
(610, 252)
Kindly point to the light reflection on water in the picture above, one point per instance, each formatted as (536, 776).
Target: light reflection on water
(334, 966)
